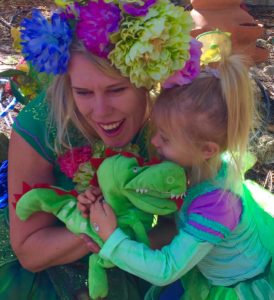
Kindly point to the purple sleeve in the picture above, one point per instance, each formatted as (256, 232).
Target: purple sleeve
(214, 215)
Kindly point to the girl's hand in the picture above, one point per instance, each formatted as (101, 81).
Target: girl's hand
(102, 219)
(86, 198)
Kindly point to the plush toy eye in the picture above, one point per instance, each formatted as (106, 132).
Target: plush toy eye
(135, 170)
(170, 180)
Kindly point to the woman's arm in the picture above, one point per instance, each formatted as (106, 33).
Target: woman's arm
(163, 233)
(38, 242)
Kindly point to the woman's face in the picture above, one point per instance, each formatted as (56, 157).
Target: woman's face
(113, 107)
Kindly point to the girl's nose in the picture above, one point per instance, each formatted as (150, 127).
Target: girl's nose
(155, 140)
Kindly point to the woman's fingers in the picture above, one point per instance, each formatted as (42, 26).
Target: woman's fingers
(92, 246)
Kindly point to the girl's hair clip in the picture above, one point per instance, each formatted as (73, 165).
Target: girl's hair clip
(216, 45)
(212, 71)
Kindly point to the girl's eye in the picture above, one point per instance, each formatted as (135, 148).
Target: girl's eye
(164, 139)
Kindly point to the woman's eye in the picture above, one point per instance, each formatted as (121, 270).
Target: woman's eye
(83, 93)
(117, 90)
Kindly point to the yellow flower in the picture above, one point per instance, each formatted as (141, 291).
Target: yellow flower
(63, 3)
(16, 36)
(23, 67)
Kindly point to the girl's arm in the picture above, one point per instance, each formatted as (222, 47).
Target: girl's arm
(38, 242)
(159, 267)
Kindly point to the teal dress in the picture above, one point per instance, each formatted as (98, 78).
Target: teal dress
(65, 282)
(223, 249)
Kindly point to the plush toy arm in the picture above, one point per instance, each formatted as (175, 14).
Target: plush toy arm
(62, 205)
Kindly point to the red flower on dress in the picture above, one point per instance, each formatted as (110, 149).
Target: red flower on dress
(73, 158)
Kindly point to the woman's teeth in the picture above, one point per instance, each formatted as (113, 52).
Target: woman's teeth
(111, 126)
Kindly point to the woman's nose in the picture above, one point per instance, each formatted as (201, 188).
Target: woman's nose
(101, 106)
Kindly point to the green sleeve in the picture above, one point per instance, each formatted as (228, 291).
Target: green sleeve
(160, 267)
(33, 126)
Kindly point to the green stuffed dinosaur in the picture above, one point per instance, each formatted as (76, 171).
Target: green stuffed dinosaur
(136, 193)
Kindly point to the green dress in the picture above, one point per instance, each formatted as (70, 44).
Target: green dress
(65, 282)
(223, 250)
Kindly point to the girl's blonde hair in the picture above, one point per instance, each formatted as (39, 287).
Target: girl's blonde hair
(216, 109)
(63, 110)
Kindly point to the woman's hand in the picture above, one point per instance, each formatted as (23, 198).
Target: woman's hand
(86, 198)
(91, 245)
(163, 233)
(102, 219)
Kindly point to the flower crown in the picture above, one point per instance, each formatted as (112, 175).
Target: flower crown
(148, 41)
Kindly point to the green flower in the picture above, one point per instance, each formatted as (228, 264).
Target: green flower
(149, 49)
(86, 171)
(83, 176)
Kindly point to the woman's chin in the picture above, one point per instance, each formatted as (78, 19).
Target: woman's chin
(114, 141)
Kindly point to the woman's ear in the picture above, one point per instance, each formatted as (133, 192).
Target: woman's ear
(209, 149)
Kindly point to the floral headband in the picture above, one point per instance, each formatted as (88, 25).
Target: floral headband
(147, 40)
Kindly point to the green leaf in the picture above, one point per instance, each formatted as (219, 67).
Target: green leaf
(17, 94)
(12, 72)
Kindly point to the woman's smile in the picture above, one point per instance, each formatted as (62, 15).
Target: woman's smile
(112, 129)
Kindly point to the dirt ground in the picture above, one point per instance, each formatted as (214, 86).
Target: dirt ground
(12, 12)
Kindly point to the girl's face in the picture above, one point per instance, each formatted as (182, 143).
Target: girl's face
(176, 150)
(113, 107)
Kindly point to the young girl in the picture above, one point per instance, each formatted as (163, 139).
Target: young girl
(218, 252)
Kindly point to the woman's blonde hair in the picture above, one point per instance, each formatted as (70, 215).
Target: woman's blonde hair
(216, 109)
(63, 110)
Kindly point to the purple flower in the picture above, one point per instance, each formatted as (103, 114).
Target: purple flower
(70, 12)
(136, 9)
(191, 68)
(46, 44)
(97, 21)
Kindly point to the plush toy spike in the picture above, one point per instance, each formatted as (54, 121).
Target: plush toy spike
(135, 192)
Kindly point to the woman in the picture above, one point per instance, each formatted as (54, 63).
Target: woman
(88, 100)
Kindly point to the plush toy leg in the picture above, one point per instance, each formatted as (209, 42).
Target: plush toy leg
(132, 221)
(97, 278)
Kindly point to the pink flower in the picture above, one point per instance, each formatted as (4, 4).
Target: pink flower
(136, 9)
(191, 68)
(71, 160)
(97, 20)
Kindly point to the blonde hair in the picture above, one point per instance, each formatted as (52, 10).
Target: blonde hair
(219, 110)
(63, 110)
